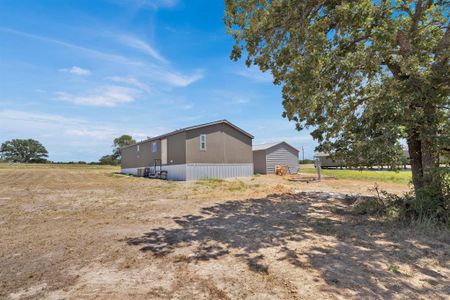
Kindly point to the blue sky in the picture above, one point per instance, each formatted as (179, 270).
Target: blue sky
(76, 74)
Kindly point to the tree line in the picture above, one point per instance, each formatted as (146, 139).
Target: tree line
(32, 151)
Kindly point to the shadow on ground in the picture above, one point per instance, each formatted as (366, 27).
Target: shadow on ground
(362, 257)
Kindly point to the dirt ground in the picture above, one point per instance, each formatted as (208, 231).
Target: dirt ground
(81, 233)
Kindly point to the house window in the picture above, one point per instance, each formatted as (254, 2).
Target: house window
(203, 142)
(154, 147)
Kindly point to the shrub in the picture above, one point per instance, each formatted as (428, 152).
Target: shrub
(368, 206)
(433, 202)
(429, 205)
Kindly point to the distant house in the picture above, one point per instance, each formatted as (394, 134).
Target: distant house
(218, 149)
(267, 156)
(326, 161)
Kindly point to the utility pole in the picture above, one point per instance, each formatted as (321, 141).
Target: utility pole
(303, 152)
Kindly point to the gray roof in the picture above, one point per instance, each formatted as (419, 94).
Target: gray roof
(270, 145)
(263, 146)
(191, 128)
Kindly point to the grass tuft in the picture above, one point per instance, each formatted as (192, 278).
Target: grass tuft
(394, 269)
(235, 186)
(209, 181)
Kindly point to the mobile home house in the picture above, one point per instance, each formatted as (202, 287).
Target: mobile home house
(326, 161)
(267, 156)
(218, 149)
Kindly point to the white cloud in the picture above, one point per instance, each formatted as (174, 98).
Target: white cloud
(241, 100)
(160, 3)
(187, 106)
(95, 53)
(138, 136)
(153, 4)
(107, 96)
(91, 133)
(255, 74)
(136, 43)
(177, 79)
(77, 71)
(130, 80)
(52, 125)
(158, 72)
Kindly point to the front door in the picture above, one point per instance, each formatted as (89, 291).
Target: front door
(164, 151)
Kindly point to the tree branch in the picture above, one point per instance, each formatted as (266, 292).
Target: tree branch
(353, 43)
(444, 43)
(395, 69)
(441, 52)
(417, 15)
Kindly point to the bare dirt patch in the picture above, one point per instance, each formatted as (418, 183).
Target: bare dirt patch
(88, 233)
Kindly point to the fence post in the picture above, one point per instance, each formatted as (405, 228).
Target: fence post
(318, 167)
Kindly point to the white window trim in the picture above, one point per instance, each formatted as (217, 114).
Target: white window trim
(154, 147)
(202, 141)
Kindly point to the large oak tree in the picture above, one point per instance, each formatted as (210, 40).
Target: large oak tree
(363, 74)
(23, 151)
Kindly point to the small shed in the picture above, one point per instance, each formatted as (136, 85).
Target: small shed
(267, 156)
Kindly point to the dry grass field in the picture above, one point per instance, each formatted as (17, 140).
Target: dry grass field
(81, 232)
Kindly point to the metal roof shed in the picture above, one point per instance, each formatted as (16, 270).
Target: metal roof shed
(267, 156)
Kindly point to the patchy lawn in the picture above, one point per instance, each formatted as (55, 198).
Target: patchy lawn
(401, 177)
(70, 233)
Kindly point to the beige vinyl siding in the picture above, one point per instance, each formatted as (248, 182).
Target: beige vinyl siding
(214, 145)
(176, 149)
(224, 144)
(164, 151)
(131, 158)
(237, 146)
(259, 161)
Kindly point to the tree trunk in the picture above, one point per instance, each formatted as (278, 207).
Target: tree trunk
(423, 150)
(415, 154)
(430, 156)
